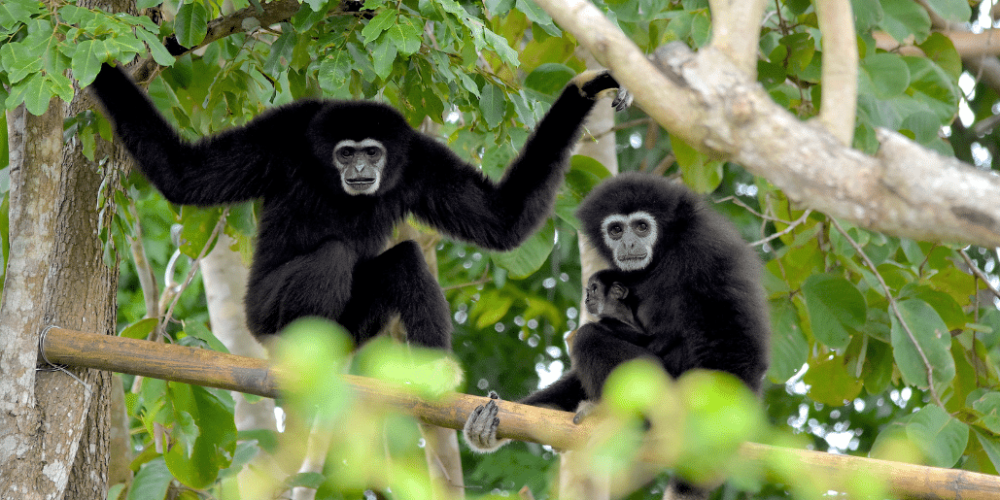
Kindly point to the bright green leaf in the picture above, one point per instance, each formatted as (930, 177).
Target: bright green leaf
(831, 381)
(904, 18)
(151, 482)
(198, 225)
(700, 173)
(493, 104)
(888, 73)
(956, 11)
(191, 24)
(406, 37)
(383, 21)
(933, 339)
(140, 329)
(383, 56)
(529, 257)
(942, 437)
(789, 348)
(836, 309)
(549, 78)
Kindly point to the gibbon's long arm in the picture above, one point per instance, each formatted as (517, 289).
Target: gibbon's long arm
(236, 165)
(456, 198)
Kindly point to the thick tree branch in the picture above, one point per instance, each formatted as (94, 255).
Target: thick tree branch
(521, 422)
(840, 68)
(905, 191)
(242, 20)
(736, 29)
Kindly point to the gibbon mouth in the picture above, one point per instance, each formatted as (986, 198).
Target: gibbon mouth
(633, 257)
(367, 181)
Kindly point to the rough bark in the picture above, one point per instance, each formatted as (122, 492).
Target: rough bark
(54, 428)
(712, 105)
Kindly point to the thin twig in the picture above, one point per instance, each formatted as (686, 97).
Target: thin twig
(740, 203)
(979, 274)
(785, 231)
(484, 279)
(616, 127)
(895, 310)
(194, 268)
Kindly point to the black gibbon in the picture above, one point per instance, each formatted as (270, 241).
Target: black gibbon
(608, 298)
(334, 178)
(696, 289)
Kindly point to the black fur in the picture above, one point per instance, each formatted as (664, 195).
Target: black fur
(616, 314)
(699, 298)
(319, 249)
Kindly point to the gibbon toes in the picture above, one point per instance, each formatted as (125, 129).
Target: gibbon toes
(480, 429)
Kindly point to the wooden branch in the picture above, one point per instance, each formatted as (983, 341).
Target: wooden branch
(710, 104)
(521, 422)
(840, 68)
(736, 31)
(242, 20)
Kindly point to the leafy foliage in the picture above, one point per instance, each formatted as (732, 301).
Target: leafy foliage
(881, 345)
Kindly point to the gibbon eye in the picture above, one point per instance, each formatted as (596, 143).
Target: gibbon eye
(642, 226)
(371, 151)
(346, 152)
(615, 230)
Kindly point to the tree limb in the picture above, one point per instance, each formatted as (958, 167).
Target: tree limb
(521, 422)
(840, 68)
(905, 191)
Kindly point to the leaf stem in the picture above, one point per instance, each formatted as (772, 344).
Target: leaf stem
(895, 310)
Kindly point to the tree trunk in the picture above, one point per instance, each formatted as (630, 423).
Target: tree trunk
(225, 278)
(54, 427)
(575, 479)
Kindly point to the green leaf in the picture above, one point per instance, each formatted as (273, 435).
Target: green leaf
(493, 104)
(281, 52)
(383, 21)
(956, 11)
(35, 92)
(831, 381)
(904, 18)
(549, 78)
(931, 336)
(500, 47)
(191, 24)
(585, 173)
(945, 305)
(87, 60)
(18, 11)
(406, 36)
(147, 4)
(539, 17)
(867, 14)
(529, 257)
(213, 446)
(383, 56)
(152, 481)
(942, 52)
(888, 73)
(942, 437)
(932, 86)
(988, 405)
(140, 329)
(700, 173)
(491, 308)
(991, 445)
(198, 224)
(789, 348)
(836, 309)
(20, 60)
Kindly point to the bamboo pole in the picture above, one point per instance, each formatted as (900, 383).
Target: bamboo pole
(520, 422)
